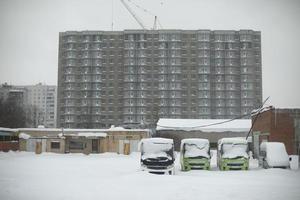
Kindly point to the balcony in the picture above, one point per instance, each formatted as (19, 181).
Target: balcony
(70, 41)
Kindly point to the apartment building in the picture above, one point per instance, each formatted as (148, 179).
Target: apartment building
(38, 102)
(134, 77)
(41, 100)
(12, 93)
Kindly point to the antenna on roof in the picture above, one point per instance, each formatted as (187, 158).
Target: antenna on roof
(139, 21)
(112, 15)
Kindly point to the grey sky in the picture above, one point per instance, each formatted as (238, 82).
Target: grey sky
(29, 34)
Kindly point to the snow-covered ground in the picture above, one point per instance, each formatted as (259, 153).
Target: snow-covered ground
(49, 176)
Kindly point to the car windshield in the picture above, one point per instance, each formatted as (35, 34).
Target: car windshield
(196, 150)
(229, 147)
(234, 150)
(156, 147)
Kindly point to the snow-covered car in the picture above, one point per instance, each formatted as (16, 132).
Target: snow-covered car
(274, 155)
(233, 154)
(194, 154)
(157, 155)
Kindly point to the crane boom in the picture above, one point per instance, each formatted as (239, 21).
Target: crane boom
(133, 14)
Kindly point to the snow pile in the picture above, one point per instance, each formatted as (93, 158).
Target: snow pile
(117, 128)
(205, 125)
(195, 147)
(234, 151)
(276, 155)
(24, 136)
(8, 129)
(233, 147)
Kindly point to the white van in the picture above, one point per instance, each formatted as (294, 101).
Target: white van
(157, 155)
(274, 155)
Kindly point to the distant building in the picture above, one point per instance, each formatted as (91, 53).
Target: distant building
(42, 101)
(114, 139)
(135, 77)
(278, 125)
(38, 101)
(12, 93)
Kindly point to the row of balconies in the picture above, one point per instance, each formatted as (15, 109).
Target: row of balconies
(171, 41)
(209, 105)
(202, 86)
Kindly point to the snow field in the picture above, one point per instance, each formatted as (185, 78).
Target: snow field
(24, 175)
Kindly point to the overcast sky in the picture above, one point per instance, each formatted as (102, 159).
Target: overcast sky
(29, 34)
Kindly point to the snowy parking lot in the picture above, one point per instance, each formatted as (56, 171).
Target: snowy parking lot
(24, 175)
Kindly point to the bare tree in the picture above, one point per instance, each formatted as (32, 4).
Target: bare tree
(12, 114)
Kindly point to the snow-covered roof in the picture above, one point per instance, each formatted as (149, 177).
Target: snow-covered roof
(205, 125)
(85, 134)
(261, 110)
(117, 128)
(157, 140)
(80, 130)
(8, 129)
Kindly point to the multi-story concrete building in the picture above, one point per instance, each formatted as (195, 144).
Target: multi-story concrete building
(12, 93)
(38, 101)
(137, 76)
(42, 101)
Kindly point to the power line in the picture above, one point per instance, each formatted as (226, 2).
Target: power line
(112, 15)
(226, 121)
(258, 113)
(212, 124)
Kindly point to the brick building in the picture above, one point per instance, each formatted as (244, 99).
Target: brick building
(279, 125)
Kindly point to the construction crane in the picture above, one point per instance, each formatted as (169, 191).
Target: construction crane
(156, 21)
(139, 21)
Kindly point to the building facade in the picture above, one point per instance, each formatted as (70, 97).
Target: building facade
(41, 100)
(12, 93)
(136, 76)
(38, 102)
(115, 139)
(210, 129)
(278, 125)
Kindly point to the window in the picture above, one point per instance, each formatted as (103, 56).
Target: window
(77, 145)
(55, 145)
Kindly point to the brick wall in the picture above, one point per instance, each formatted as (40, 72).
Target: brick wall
(279, 125)
(9, 145)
